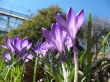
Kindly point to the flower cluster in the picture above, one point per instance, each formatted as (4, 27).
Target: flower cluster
(18, 47)
(63, 33)
(62, 36)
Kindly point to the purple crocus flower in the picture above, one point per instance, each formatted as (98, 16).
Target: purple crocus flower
(21, 46)
(72, 26)
(72, 23)
(56, 36)
(18, 47)
(42, 48)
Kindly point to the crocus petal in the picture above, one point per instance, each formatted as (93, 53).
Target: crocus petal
(60, 20)
(54, 31)
(16, 37)
(80, 18)
(7, 56)
(70, 18)
(17, 45)
(37, 47)
(63, 35)
(42, 48)
(46, 34)
(46, 45)
(36, 50)
(71, 23)
(57, 35)
(9, 43)
(2, 46)
(42, 53)
(68, 43)
(29, 57)
(24, 43)
(29, 46)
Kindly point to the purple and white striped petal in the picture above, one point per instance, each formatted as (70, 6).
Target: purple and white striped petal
(2, 46)
(42, 53)
(28, 57)
(17, 45)
(57, 34)
(80, 19)
(70, 18)
(7, 56)
(29, 46)
(68, 43)
(46, 45)
(71, 23)
(60, 20)
(46, 34)
(9, 43)
(16, 37)
(24, 43)
(37, 47)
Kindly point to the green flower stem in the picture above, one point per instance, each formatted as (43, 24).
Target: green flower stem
(35, 67)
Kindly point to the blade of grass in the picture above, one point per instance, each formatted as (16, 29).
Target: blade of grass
(6, 76)
(35, 69)
(89, 38)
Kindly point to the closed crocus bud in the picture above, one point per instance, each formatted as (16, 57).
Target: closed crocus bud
(56, 36)
(72, 23)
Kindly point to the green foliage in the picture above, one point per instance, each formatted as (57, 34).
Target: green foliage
(91, 60)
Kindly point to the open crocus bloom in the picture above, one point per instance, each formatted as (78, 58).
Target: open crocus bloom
(18, 47)
(42, 48)
(56, 36)
(21, 46)
(72, 23)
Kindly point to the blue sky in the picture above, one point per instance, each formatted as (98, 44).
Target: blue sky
(96, 7)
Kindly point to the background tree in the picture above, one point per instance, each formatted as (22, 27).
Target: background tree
(32, 27)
